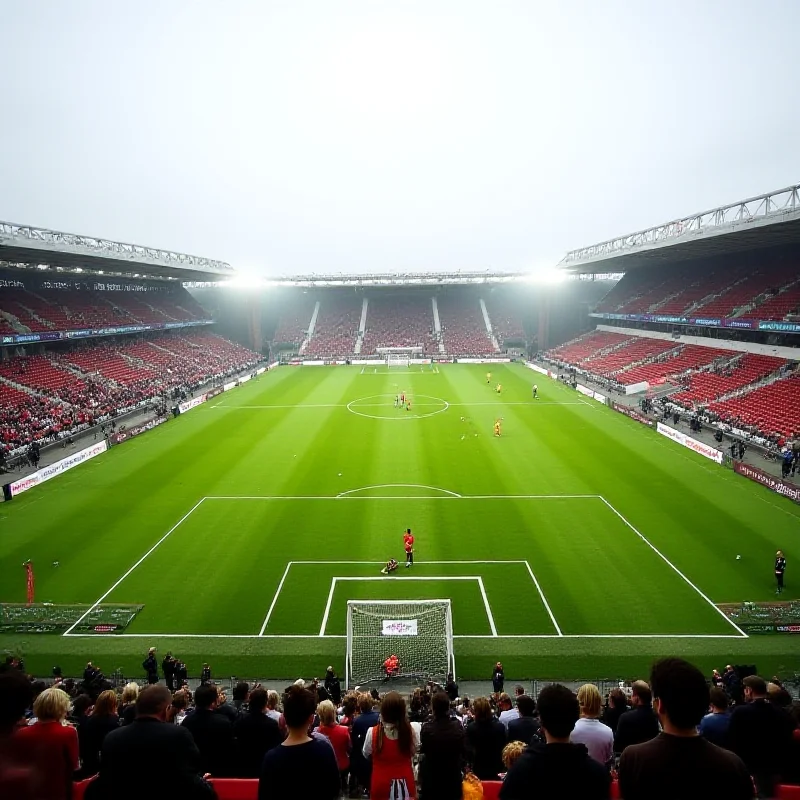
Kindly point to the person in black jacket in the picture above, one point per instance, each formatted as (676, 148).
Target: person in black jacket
(557, 769)
(150, 666)
(525, 728)
(333, 686)
(498, 678)
(616, 706)
(442, 753)
(149, 758)
(451, 687)
(368, 718)
(93, 730)
(640, 724)
(255, 733)
(212, 733)
(168, 668)
(486, 738)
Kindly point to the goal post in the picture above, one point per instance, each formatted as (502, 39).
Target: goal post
(398, 360)
(418, 632)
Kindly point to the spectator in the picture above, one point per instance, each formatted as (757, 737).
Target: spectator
(367, 719)
(640, 724)
(598, 738)
(212, 733)
(150, 666)
(391, 745)
(498, 678)
(17, 774)
(714, 725)
(255, 734)
(451, 688)
(486, 737)
(52, 745)
(559, 769)
(511, 753)
(616, 706)
(127, 703)
(333, 686)
(507, 709)
(301, 767)
(224, 708)
(273, 699)
(761, 734)
(241, 694)
(679, 762)
(442, 753)
(94, 729)
(150, 759)
(180, 706)
(525, 728)
(79, 711)
(339, 737)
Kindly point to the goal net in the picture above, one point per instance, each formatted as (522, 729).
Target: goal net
(398, 360)
(418, 632)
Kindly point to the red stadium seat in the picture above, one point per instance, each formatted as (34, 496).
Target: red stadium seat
(491, 789)
(79, 788)
(786, 792)
(235, 788)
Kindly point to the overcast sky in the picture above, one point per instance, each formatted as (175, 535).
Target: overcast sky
(299, 136)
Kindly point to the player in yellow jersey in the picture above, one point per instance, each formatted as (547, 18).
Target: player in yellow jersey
(499, 388)
(488, 378)
(497, 423)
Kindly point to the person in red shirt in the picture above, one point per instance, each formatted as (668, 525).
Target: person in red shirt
(391, 666)
(51, 744)
(408, 544)
(339, 737)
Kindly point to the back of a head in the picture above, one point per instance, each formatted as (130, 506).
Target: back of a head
(240, 692)
(106, 704)
(641, 689)
(511, 752)
(206, 695)
(298, 706)
(519, 690)
(756, 684)
(590, 700)
(558, 710)
(51, 704)
(526, 705)
(365, 702)
(718, 698)
(15, 697)
(482, 708)
(153, 701)
(326, 711)
(273, 698)
(258, 700)
(130, 693)
(681, 690)
(440, 705)
(504, 698)
(393, 708)
(617, 698)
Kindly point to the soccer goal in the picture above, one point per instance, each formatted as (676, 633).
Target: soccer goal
(397, 360)
(419, 633)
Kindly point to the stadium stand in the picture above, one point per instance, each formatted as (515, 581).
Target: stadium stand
(294, 322)
(588, 346)
(463, 326)
(336, 328)
(506, 318)
(399, 322)
(689, 357)
(636, 350)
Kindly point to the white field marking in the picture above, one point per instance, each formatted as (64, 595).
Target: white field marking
(455, 636)
(399, 486)
(544, 600)
(531, 403)
(153, 548)
(275, 599)
(338, 579)
(410, 497)
(353, 409)
(705, 597)
(601, 636)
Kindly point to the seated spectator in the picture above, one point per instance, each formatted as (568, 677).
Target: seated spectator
(338, 735)
(525, 728)
(597, 737)
(212, 733)
(93, 730)
(149, 758)
(558, 769)
(679, 762)
(616, 706)
(443, 753)
(486, 737)
(640, 724)
(52, 743)
(255, 734)
(761, 734)
(300, 767)
(391, 745)
(714, 725)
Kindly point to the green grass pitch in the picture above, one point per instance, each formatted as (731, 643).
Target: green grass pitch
(579, 544)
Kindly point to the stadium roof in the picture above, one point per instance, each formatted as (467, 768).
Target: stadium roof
(767, 220)
(26, 245)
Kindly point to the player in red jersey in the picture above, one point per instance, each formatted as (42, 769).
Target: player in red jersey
(408, 544)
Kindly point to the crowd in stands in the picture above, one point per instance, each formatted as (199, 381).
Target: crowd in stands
(677, 736)
(294, 323)
(506, 317)
(463, 326)
(336, 327)
(50, 396)
(402, 321)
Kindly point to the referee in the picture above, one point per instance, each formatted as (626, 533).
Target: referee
(780, 567)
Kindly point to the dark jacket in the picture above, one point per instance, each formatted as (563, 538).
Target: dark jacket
(149, 759)
(760, 733)
(486, 739)
(255, 733)
(333, 687)
(523, 729)
(690, 768)
(611, 715)
(498, 679)
(361, 727)
(150, 666)
(91, 734)
(213, 735)
(451, 689)
(556, 771)
(442, 758)
(638, 725)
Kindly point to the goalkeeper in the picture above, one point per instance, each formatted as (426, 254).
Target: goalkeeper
(391, 566)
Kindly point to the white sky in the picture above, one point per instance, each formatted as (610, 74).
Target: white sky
(329, 136)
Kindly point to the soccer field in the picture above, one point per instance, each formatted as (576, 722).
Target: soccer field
(578, 544)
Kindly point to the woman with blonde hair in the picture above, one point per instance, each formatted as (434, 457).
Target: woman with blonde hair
(94, 729)
(51, 744)
(127, 703)
(588, 730)
(338, 735)
(391, 745)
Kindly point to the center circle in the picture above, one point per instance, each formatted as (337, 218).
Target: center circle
(382, 406)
